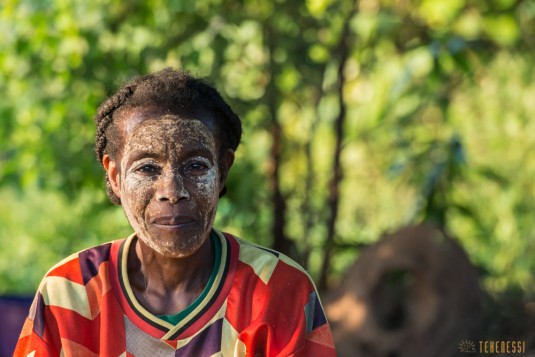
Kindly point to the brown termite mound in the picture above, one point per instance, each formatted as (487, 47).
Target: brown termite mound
(413, 293)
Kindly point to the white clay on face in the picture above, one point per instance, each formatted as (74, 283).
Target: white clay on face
(169, 168)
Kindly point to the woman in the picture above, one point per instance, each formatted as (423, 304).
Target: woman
(176, 286)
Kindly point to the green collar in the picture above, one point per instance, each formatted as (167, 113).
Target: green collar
(175, 319)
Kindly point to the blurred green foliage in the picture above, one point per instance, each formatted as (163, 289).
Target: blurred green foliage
(440, 96)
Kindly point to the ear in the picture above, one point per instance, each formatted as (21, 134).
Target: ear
(226, 164)
(112, 169)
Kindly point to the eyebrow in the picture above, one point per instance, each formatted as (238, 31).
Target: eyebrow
(200, 152)
(140, 154)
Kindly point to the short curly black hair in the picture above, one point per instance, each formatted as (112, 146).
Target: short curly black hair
(174, 90)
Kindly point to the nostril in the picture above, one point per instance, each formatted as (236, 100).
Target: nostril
(169, 196)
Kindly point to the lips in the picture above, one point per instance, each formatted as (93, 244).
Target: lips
(173, 222)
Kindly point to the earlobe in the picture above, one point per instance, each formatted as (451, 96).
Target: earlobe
(228, 160)
(113, 174)
(229, 156)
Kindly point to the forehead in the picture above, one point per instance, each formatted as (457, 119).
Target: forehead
(170, 131)
(130, 118)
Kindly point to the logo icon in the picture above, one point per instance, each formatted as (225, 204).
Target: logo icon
(467, 346)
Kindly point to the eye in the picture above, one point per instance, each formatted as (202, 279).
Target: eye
(196, 168)
(148, 169)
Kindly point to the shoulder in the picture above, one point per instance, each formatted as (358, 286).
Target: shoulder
(270, 265)
(76, 270)
(83, 262)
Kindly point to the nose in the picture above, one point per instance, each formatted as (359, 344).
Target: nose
(172, 189)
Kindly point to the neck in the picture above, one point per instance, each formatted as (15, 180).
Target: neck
(167, 285)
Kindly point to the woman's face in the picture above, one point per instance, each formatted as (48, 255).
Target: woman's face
(169, 182)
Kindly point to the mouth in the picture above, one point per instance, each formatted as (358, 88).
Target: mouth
(174, 222)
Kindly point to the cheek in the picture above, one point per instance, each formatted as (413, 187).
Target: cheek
(207, 188)
(137, 194)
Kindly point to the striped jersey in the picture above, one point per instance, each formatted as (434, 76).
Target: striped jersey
(260, 303)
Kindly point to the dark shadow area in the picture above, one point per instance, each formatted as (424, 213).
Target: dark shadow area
(391, 296)
(13, 312)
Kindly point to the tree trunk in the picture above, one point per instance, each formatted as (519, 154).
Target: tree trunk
(306, 208)
(333, 197)
(281, 243)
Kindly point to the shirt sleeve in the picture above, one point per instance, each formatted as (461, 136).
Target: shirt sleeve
(319, 340)
(33, 339)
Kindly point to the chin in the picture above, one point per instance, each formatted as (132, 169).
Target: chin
(175, 247)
